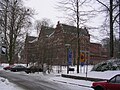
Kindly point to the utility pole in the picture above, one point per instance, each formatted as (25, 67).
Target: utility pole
(78, 36)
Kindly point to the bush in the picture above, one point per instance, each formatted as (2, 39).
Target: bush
(112, 64)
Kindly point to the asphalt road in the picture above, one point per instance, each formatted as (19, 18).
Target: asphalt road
(32, 83)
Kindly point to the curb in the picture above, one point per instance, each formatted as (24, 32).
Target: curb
(73, 83)
(83, 78)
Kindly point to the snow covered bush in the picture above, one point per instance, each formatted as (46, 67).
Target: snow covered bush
(112, 64)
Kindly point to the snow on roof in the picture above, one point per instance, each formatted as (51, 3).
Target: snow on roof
(35, 40)
(51, 34)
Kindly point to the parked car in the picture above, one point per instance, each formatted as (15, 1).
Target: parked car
(112, 84)
(33, 69)
(8, 67)
(18, 68)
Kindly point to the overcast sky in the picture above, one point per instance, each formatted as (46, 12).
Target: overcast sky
(46, 9)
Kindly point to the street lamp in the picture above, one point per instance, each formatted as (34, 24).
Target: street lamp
(67, 46)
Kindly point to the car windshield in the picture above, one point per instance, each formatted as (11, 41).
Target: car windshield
(18, 66)
(116, 79)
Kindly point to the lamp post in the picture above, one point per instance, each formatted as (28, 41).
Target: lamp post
(67, 46)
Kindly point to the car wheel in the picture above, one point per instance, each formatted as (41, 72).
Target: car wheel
(27, 72)
(98, 88)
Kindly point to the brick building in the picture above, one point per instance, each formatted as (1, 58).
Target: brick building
(97, 53)
(64, 35)
(51, 45)
(30, 52)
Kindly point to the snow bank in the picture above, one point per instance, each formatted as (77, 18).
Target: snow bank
(6, 85)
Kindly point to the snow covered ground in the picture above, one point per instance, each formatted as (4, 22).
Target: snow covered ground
(55, 77)
(6, 85)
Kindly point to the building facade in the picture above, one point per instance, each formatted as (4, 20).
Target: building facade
(97, 53)
(30, 52)
(52, 46)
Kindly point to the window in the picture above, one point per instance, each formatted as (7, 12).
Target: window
(118, 79)
(115, 79)
(112, 80)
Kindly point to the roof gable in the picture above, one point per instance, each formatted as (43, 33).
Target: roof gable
(46, 31)
(73, 30)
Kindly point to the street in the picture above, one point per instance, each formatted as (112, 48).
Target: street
(30, 83)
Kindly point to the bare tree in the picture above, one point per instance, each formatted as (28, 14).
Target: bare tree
(69, 8)
(75, 13)
(41, 26)
(15, 19)
(43, 22)
(112, 11)
(106, 44)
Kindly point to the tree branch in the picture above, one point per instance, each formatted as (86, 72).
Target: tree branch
(116, 17)
(103, 4)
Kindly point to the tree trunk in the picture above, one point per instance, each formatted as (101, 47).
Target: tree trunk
(119, 32)
(111, 30)
(78, 42)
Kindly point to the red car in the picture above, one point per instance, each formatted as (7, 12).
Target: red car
(112, 84)
(8, 67)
